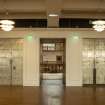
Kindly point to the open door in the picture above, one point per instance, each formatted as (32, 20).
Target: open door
(52, 59)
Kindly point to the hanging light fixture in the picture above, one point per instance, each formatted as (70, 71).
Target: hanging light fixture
(99, 25)
(5, 24)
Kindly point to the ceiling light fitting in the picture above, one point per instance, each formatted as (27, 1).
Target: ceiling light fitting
(53, 15)
(99, 25)
(7, 25)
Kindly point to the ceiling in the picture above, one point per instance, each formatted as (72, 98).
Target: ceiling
(31, 9)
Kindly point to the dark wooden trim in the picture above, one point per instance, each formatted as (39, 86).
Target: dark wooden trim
(93, 85)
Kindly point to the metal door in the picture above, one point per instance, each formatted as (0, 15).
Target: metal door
(88, 61)
(100, 60)
(94, 61)
(11, 62)
(5, 71)
(17, 62)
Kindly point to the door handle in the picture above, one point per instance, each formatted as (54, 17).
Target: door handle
(94, 76)
(14, 67)
(97, 62)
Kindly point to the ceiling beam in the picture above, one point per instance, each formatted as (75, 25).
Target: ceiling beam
(53, 7)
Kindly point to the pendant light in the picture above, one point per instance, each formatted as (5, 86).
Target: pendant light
(99, 25)
(5, 24)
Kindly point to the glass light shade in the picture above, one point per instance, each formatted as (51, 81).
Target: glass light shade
(98, 22)
(6, 27)
(7, 22)
(99, 25)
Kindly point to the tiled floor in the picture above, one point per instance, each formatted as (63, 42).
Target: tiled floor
(52, 93)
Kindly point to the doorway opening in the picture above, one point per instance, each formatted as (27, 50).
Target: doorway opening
(11, 61)
(52, 60)
(94, 61)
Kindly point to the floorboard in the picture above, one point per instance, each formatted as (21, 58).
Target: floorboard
(52, 93)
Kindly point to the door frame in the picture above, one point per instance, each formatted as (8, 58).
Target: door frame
(64, 74)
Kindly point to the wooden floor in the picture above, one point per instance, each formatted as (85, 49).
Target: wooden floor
(52, 94)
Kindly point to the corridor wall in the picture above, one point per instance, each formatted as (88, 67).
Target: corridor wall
(31, 73)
